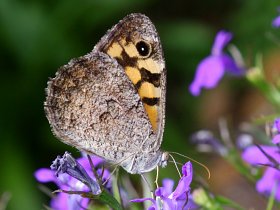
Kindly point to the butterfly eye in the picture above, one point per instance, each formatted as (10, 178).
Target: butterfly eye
(143, 48)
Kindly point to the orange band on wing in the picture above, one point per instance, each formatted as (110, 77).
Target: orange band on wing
(133, 74)
(115, 50)
(152, 112)
(148, 90)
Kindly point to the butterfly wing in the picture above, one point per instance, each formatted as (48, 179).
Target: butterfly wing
(146, 69)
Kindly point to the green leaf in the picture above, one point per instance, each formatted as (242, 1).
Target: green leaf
(107, 198)
(227, 202)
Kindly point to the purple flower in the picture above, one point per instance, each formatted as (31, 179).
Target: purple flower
(180, 198)
(265, 156)
(73, 175)
(212, 68)
(261, 155)
(268, 182)
(276, 22)
(276, 128)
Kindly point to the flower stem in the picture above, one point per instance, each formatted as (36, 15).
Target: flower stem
(272, 197)
(256, 77)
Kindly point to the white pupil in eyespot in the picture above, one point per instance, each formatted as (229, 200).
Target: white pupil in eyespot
(143, 48)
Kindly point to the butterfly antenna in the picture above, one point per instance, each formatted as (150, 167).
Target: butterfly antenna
(178, 163)
(111, 174)
(199, 163)
(175, 165)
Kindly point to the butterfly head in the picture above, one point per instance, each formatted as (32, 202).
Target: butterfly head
(164, 159)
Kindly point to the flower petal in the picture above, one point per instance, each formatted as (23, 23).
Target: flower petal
(59, 202)
(276, 22)
(77, 202)
(141, 199)
(45, 175)
(184, 183)
(267, 183)
(84, 202)
(85, 162)
(255, 156)
(167, 185)
(276, 124)
(231, 66)
(137, 200)
(276, 139)
(221, 40)
(166, 204)
(187, 169)
(64, 201)
(208, 74)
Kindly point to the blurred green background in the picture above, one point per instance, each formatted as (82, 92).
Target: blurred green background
(37, 37)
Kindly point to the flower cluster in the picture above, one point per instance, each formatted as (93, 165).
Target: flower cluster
(269, 156)
(76, 177)
(180, 198)
(209, 72)
(73, 175)
(212, 68)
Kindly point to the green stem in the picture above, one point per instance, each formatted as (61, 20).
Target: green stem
(234, 158)
(256, 77)
(116, 189)
(271, 93)
(271, 199)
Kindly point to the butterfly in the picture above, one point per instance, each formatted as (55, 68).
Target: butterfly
(111, 101)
